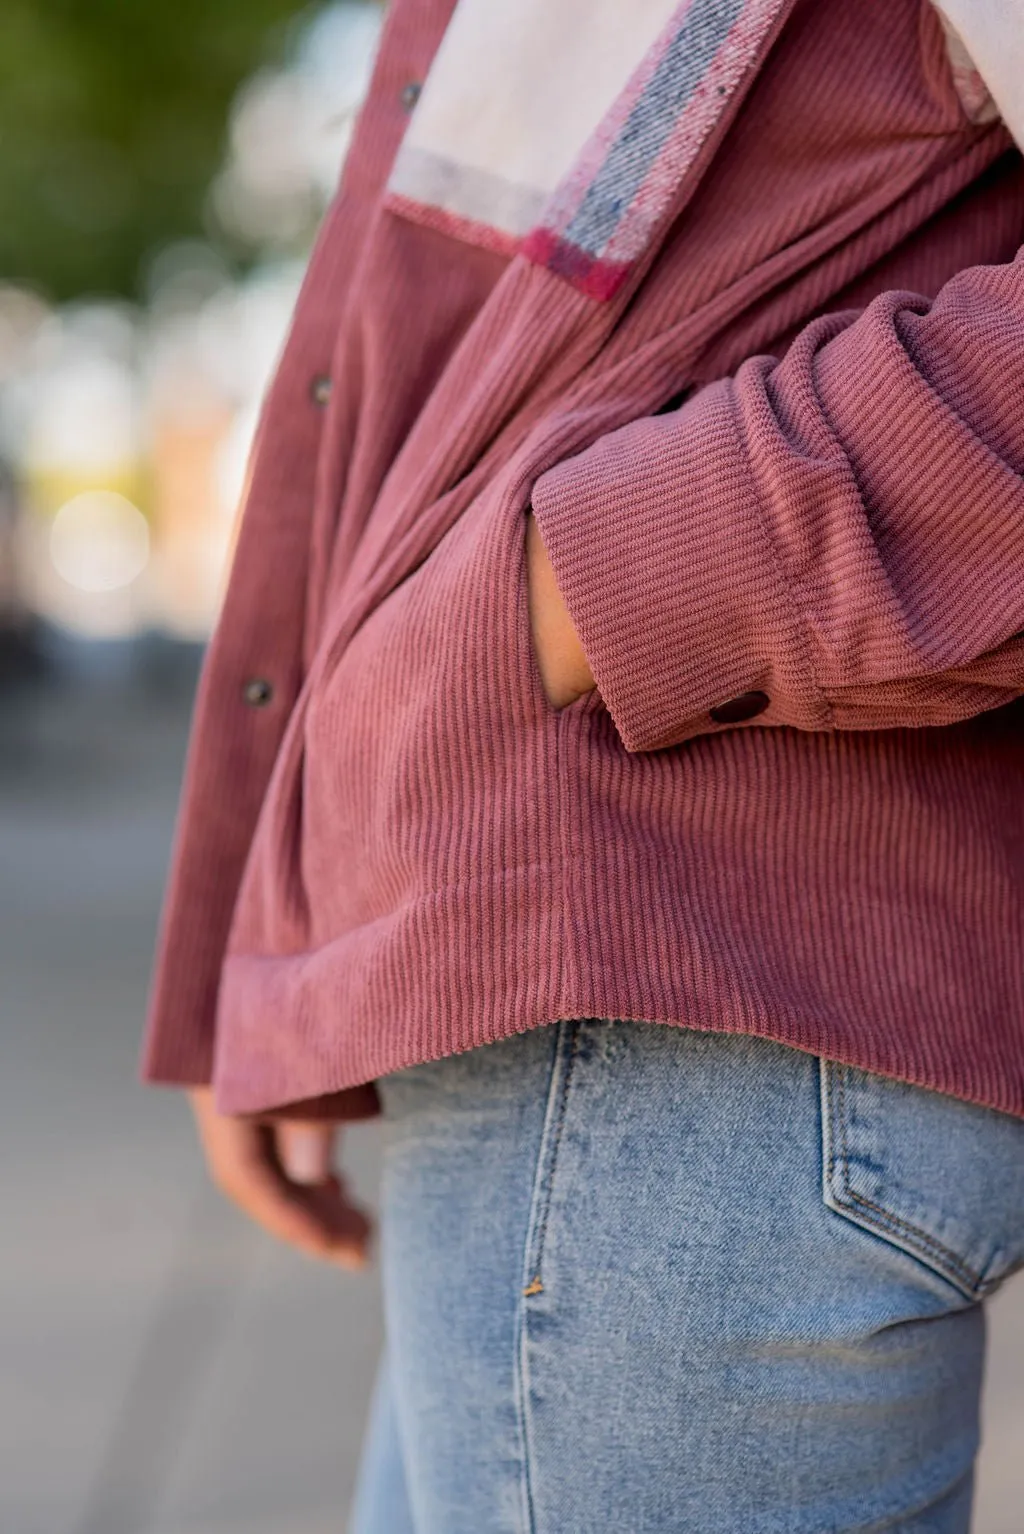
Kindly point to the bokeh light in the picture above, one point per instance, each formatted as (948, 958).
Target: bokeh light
(125, 428)
(99, 541)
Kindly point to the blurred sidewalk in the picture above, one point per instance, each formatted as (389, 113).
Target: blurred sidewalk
(164, 1369)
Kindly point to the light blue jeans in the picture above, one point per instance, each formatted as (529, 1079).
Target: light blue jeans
(645, 1280)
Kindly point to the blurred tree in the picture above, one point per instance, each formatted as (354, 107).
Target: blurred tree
(112, 122)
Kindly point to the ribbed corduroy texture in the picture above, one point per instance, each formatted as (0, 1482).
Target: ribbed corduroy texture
(414, 853)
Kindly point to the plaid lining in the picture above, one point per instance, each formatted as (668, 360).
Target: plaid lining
(601, 220)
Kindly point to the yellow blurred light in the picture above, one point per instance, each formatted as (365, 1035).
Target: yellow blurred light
(99, 541)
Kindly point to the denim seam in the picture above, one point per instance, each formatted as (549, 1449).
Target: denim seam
(550, 1159)
(530, 1280)
(932, 1250)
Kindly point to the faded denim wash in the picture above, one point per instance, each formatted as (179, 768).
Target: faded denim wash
(644, 1279)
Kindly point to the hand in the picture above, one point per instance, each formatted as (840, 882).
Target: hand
(281, 1174)
(564, 669)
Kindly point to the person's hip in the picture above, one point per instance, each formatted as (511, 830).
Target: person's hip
(647, 1278)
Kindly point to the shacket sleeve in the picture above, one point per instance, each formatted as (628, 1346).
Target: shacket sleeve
(837, 536)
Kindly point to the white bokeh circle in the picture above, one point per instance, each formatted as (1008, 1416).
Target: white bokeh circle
(99, 541)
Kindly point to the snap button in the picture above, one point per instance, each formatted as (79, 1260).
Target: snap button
(257, 692)
(411, 94)
(320, 389)
(747, 706)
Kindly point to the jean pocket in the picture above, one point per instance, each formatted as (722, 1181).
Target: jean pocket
(941, 1179)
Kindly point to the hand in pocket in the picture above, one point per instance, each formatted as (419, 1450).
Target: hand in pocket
(564, 669)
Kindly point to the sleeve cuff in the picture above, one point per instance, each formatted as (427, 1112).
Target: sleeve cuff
(662, 556)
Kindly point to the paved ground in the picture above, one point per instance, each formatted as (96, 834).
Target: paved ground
(163, 1370)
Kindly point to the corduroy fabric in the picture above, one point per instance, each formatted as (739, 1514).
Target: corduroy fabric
(409, 852)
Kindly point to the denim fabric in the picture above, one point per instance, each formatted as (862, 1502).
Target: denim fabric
(640, 1278)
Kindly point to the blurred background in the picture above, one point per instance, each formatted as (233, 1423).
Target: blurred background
(162, 171)
(163, 1368)
(163, 167)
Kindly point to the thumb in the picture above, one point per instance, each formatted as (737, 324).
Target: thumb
(305, 1150)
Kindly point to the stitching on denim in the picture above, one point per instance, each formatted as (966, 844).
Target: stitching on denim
(933, 1250)
(829, 1113)
(551, 1158)
(886, 1217)
(521, 1384)
(551, 1135)
(955, 1261)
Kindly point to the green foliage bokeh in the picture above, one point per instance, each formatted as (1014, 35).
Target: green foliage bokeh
(112, 123)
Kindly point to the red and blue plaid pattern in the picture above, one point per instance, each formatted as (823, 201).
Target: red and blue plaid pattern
(603, 217)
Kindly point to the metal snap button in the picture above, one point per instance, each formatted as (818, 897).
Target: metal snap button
(411, 94)
(320, 389)
(257, 692)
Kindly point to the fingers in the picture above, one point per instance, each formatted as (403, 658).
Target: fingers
(305, 1150)
(311, 1211)
(561, 659)
(317, 1220)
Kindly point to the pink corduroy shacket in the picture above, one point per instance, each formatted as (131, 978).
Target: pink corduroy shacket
(771, 426)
